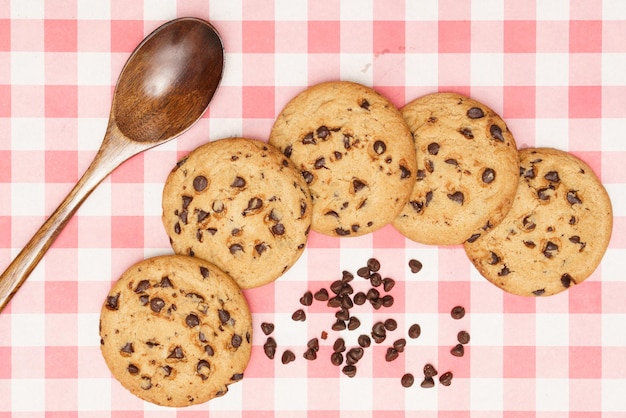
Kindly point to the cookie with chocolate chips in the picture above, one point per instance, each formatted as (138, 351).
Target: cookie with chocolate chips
(466, 170)
(555, 234)
(242, 205)
(355, 152)
(176, 331)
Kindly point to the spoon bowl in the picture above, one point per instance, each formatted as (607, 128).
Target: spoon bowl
(164, 88)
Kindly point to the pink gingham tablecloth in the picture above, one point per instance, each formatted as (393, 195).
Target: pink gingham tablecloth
(555, 71)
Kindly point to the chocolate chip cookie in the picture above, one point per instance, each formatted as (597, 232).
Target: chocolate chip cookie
(242, 205)
(555, 234)
(466, 170)
(176, 331)
(355, 152)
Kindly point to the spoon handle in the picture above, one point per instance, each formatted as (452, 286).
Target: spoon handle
(110, 155)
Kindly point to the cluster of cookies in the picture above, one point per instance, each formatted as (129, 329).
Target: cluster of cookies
(343, 161)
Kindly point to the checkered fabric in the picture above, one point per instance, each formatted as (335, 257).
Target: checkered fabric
(555, 71)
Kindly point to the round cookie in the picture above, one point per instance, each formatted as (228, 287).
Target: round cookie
(176, 331)
(466, 170)
(240, 204)
(354, 151)
(555, 234)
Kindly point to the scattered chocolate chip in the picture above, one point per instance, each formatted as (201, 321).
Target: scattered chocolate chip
(353, 323)
(475, 113)
(299, 315)
(342, 232)
(359, 298)
(287, 357)
(415, 265)
(429, 370)
(267, 328)
(457, 312)
(539, 292)
(428, 382)
(446, 379)
(388, 284)
(463, 337)
(407, 380)
(339, 325)
(336, 358)
(310, 354)
(339, 345)
(307, 298)
(566, 280)
(349, 370)
(321, 295)
(354, 355)
(364, 341)
(373, 264)
(236, 377)
(415, 331)
(391, 354)
(399, 345)
(458, 350)
(200, 183)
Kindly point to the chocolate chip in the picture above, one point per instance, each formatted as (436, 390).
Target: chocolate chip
(192, 320)
(572, 197)
(278, 229)
(529, 244)
(463, 337)
(428, 382)
(157, 304)
(236, 340)
(336, 358)
(177, 353)
(269, 347)
(349, 370)
(496, 133)
(380, 147)
(358, 185)
(387, 301)
(287, 152)
(236, 377)
(112, 302)
(388, 284)
(299, 315)
(267, 328)
(446, 379)
(346, 276)
(391, 324)
(405, 173)
(543, 194)
(457, 312)
(342, 232)
(353, 323)
(552, 176)
(467, 133)
(429, 370)
(528, 223)
(567, 280)
(319, 163)
(458, 350)
(342, 314)
(399, 344)
(209, 350)
(429, 166)
(310, 354)
(238, 182)
(223, 315)
(364, 341)
(549, 249)
(186, 202)
(132, 369)
(307, 299)
(354, 355)
(203, 367)
(217, 206)
(339, 325)
(539, 292)
(488, 176)
(321, 295)
(253, 204)
(287, 357)
(200, 183)
(415, 331)
(373, 264)
(407, 380)
(433, 148)
(359, 298)
(504, 271)
(451, 161)
(127, 349)
(475, 113)
(142, 286)
(379, 333)
(322, 132)
(391, 354)
(415, 265)
(346, 141)
(457, 197)
(167, 370)
(364, 104)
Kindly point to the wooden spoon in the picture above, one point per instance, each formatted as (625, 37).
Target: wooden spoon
(164, 88)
